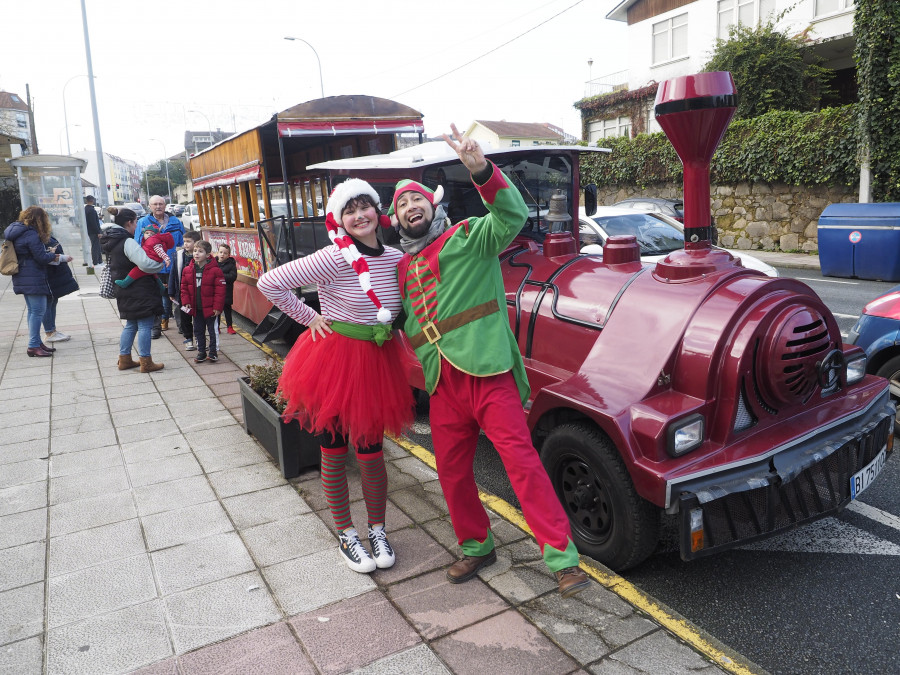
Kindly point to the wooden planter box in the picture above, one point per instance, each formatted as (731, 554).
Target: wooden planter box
(293, 448)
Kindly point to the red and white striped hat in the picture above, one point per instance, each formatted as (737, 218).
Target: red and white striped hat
(342, 195)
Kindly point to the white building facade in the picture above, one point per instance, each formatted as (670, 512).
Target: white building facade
(123, 177)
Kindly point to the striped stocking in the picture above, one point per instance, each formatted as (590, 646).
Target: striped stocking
(374, 484)
(334, 484)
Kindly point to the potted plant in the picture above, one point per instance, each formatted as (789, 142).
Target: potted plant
(263, 407)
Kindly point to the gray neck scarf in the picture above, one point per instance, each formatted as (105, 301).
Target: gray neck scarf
(438, 225)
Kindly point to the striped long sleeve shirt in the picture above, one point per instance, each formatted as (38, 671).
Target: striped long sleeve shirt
(340, 295)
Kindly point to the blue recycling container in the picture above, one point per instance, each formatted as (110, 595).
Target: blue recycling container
(861, 241)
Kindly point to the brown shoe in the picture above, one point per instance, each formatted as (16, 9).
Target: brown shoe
(572, 580)
(147, 365)
(126, 362)
(467, 567)
(164, 324)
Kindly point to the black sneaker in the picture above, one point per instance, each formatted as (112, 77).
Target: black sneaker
(381, 549)
(356, 557)
(200, 358)
(213, 357)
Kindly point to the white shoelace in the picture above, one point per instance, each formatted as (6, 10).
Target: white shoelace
(354, 545)
(378, 539)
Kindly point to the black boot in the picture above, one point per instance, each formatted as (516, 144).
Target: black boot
(156, 331)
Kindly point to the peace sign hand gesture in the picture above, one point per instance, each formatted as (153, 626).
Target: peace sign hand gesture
(470, 153)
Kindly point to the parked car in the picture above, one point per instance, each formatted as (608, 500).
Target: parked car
(657, 235)
(878, 333)
(137, 207)
(674, 208)
(174, 210)
(190, 217)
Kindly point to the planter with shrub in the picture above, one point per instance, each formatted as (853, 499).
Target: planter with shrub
(293, 448)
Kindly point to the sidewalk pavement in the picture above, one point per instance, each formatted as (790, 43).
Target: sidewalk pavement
(778, 259)
(142, 529)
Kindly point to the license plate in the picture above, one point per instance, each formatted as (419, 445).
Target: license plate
(863, 478)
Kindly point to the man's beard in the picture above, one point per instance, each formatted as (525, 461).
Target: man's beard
(420, 229)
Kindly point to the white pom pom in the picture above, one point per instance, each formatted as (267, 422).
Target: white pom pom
(384, 315)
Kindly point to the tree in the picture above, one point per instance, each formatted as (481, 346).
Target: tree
(876, 26)
(156, 175)
(771, 70)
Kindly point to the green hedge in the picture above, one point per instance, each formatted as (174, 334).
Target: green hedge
(781, 146)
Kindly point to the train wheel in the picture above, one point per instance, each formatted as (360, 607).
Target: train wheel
(891, 370)
(610, 521)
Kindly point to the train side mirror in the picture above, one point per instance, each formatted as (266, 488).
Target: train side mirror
(590, 199)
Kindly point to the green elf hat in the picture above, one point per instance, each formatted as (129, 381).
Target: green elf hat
(407, 185)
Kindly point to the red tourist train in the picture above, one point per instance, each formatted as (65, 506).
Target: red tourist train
(692, 387)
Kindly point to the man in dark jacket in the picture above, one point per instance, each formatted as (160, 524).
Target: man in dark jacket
(93, 229)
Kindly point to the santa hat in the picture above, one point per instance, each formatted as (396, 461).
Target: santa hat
(342, 195)
(407, 185)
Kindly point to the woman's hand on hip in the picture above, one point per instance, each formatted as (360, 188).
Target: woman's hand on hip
(321, 326)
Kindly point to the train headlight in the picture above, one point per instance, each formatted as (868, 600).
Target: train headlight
(685, 435)
(856, 369)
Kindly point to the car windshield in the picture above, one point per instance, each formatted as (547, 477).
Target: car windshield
(654, 235)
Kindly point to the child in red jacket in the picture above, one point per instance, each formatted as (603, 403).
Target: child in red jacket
(203, 297)
(155, 245)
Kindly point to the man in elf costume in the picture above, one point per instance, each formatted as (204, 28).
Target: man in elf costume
(452, 291)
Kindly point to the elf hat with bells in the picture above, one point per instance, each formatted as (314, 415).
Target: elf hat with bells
(342, 195)
(433, 196)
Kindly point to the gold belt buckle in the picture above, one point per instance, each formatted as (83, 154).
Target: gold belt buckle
(431, 332)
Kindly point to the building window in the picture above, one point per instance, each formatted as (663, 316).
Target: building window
(744, 12)
(514, 144)
(22, 120)
(617, 126)
(824, 7)
(670, 38)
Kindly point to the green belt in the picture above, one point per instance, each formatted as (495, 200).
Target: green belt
(379, 333)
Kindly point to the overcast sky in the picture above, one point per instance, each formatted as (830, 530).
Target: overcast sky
(157, 60)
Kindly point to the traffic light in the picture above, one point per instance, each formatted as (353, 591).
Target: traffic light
(117, 186)
(107, 186)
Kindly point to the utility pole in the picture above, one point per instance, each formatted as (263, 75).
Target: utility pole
(101, 164)
(34, 147)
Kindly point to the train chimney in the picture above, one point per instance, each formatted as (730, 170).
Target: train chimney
(694, 111)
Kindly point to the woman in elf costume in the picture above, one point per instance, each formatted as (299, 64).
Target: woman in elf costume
(343, 378)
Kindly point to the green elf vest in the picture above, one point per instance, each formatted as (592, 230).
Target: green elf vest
(454, 297)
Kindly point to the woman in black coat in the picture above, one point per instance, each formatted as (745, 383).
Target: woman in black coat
(141, 301)
(62, 282)
(30, 236)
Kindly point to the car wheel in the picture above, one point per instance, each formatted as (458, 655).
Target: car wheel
(610, 521)
(891, 370)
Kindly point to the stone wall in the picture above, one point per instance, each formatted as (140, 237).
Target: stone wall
(755, 216)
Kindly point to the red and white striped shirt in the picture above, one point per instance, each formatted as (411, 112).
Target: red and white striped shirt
(340, 295)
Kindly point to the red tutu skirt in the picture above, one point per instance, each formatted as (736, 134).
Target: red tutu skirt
(346, 386)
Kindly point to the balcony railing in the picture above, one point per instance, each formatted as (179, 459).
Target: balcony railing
(606, 84)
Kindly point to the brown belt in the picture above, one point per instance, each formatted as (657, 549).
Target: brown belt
(433, 331)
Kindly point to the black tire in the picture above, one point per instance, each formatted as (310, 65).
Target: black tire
(891, 370)
(610, 521)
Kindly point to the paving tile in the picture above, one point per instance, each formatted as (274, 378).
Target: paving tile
(71, 463)
(229, 375)
(22, 565)
(163, 470)
(154, 448)
(115, 391)
(225, 388)
(200, 562)
(19, 452)
(68, 411)
(75, 551)
(91, 512)
(589, 625)
(20, 473)
(436, 607)
(265, 506)
(22, 399)
(659, 652)
(416, 468)
(100, 589)
(67, 383)
(137, 433)
(337, 641)
(164, 667)
(23, 658)
(116, 643)
(78, 396)
(421, 660)
(176, 494)
(171, 528)
(420, 504)
(21, 613)
(241, 480)
(84, 441)
(187, 394)
(518, 582)
(182, 381)
(26, 432)
(159, 414)
(130, 403)
(80, 425)
(293, 537)
(314, 581)
(204, 423)
(94, 484)
(231, 401)
(23, 497)
(416, 553)
(217, 458)
(23, 528)
(272, 650)
(225, 435)
(503, 644)
(220, 610)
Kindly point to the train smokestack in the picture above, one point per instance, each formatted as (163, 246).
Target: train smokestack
(694, 111)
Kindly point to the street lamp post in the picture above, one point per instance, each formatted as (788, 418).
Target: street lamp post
(168, 184)
(296, 39)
